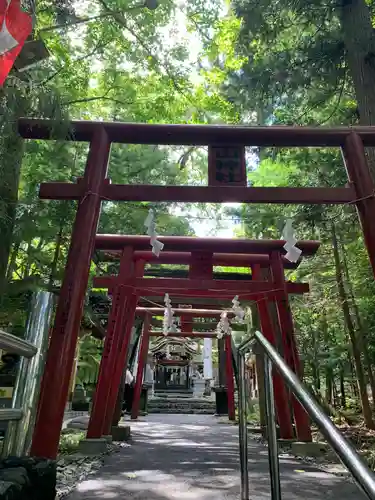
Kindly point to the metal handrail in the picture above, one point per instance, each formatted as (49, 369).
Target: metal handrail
(7, 414)
(364, 477)
(15, 345)
(27, 386)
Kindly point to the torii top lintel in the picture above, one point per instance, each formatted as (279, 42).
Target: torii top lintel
(203, 135)
(188, 243)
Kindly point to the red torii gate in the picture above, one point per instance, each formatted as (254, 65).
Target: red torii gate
(145, 340)
(200, 263)
(95, 187)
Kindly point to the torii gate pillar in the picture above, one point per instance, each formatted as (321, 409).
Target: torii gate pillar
(111, 348)
(302, 421)
(61, 351)
(281, 395)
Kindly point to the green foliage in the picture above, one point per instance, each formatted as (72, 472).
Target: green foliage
(90, 351)
(69, 441)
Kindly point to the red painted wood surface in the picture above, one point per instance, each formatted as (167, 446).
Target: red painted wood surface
(291, 356)
(284, 415)
(293, 288)
(202, 194)
(203, 284)
(226, 165)
(203, 135)
(141, 366)
(218, 259)
(61, 352)
(201, 265)
(119, 366)
(200, 269)
(360, 178)
(229, 377)
(62, 347)
(127, 322)
(191, 243)
(111, 347)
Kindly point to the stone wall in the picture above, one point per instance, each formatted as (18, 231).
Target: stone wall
(27, 479)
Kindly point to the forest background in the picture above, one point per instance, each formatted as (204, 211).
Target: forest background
(252, 62)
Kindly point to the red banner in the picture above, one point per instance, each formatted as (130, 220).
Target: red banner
(16, 26)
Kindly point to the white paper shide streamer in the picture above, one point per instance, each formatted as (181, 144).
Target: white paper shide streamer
(293, 253)
(157, 246)
(169, 325)
(237, 309)
(223, 327)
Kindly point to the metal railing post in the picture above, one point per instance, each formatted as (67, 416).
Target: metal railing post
(27, 387)
(273, 452)
(242, 428)
(360, 471)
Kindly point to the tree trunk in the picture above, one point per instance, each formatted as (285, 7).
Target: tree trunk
(315, 369)
(336, 402)
(13, 261)
(361, 335)
(366, 409)
(27, 262)
(10, 167)
(259, 366)
(119, 402)
(352, 382)
(342, 387)
(328, 394)
(359, 40)
(56, 254)
(328, 369)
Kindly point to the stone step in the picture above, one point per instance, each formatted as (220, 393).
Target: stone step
(168, 395)
(158, 401)
(167, 404)
(172, 403)
(182, 401)
(184, 411)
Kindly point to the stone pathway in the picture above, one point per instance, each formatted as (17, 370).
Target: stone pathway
(193, 457)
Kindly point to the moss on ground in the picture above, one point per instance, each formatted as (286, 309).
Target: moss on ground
(69, 441)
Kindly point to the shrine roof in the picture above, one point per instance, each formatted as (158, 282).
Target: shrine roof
(184, 243)
(188, 134)
(183, 342)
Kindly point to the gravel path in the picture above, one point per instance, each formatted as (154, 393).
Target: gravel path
(193, 457)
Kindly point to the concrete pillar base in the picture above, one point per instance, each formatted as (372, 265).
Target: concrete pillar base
(121, 433)
(309, 449)
(92, 446)
(254, 430)
(108, 438)
(285, 443)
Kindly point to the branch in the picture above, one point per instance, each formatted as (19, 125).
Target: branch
(97, 98)
(83, 20)
(338, 100)
(81, 58)
(122, 21)
(185, 157)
